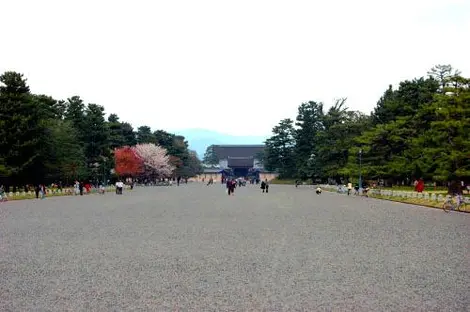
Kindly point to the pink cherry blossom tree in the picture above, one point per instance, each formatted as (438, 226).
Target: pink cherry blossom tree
(155, 159)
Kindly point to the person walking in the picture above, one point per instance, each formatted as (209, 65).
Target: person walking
(76, 188)
(42, 191)
(80, 188)
(88, 188)
(265, 186)
(119, 187)
(229, 187)
(36, 190)
(3, 194)
(233, 186)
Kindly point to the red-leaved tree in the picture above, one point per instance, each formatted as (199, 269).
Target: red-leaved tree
(127, 163)
(176, 162)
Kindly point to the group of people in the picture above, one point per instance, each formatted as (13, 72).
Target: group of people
(179, 180)
(365, 190)
(231, 184)
(39, 190)
(81, 188)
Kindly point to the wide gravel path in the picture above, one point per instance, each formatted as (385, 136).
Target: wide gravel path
(193, 248)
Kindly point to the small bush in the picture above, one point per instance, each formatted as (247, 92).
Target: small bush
(283, 181)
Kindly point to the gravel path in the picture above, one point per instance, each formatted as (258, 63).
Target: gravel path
(194, 248)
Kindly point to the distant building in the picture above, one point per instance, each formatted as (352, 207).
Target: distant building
(239, 160)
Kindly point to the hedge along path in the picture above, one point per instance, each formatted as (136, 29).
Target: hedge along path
(429, 203)
(418, 202)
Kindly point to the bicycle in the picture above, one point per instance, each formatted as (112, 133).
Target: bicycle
(450, 205)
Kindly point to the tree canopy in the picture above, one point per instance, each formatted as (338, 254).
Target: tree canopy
(210, 156)
(419, 130)
(44, 140)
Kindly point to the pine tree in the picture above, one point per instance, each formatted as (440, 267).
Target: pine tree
(309, 123)
(22, 132)
(210, 156)
(279, 152)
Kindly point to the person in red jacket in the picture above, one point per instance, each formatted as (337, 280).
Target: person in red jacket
(88, 187)
(420, 186)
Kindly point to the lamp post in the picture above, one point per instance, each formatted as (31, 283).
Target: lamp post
(96, 171)
(360, 167)
(281, 156)
(104, 171)
(313, 172)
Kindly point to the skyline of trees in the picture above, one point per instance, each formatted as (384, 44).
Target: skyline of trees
(419, 130)
(44, 140)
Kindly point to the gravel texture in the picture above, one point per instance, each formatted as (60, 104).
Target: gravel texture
(193, 248)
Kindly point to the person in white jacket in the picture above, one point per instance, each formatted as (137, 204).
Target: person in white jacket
(119, 187)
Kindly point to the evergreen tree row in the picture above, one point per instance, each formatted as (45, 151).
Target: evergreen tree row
(419, 130)
(43, 140)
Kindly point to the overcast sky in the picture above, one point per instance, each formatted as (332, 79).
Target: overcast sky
(236, 67)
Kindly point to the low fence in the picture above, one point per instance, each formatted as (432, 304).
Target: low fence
(160, 183)
(71, 191)
(428, 196)
(59, 192)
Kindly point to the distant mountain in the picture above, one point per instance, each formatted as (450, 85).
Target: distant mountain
(200, 139)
